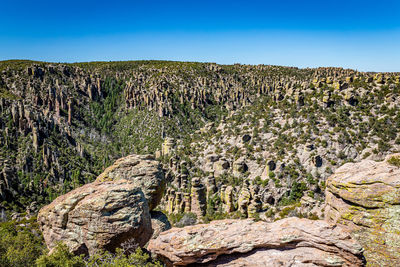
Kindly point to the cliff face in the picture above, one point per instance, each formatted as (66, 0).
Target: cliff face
(365, 197)
(46, 130)
(62, 124)
(279, 150)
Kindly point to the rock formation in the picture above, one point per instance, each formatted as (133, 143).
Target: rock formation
(62, 123)
(287, 242)
(112, 211)
(365, 197)
(55, 121)
(244, 198)
(221, 166)
(167, 146)
(159, 223)
(198, 197)
(239, 167)
(97, 216)
(227, 198)
(142, 170)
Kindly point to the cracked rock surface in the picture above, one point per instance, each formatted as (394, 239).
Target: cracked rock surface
(105, 214)
(288, 242)
(142, 170)
(97, 216)
(365, 196)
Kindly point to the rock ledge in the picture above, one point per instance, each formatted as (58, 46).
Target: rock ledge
(290, 241)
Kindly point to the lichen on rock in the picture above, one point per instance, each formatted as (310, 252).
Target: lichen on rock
(365, 196)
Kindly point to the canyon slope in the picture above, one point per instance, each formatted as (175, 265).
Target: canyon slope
(182, 144)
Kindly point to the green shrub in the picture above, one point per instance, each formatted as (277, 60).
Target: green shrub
(62, 257)
(310, 179)
(313, 216)
(19, 246)
(257, 180)
(269, 213)
(366, 155)
(395, 161)
(286, 210)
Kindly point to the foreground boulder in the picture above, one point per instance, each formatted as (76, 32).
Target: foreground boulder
(97, 216)
(287, 242)
(142, 170)
(365, 196)
(111, 212)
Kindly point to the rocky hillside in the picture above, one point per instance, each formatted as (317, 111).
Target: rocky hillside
(360, 228)
(279, 150)
(280, 130)
(114, 222)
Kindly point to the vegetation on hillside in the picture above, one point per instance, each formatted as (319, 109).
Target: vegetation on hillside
(21, 245)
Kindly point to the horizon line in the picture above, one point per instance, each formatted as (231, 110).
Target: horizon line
(180, 61)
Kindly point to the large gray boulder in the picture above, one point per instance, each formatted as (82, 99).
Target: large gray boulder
(142, 170)
(97, 216)
(112, 211)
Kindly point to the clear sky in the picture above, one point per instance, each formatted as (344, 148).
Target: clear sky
(363, 35)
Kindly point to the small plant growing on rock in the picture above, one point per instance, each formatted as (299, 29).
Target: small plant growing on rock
(395, 161)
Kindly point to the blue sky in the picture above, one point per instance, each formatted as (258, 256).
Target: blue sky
(363, 35)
